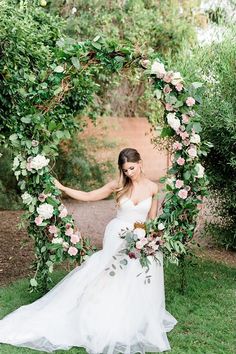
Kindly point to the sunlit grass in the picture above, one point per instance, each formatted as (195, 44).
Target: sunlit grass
(205, 314)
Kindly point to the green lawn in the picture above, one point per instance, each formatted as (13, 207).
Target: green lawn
(206, 313)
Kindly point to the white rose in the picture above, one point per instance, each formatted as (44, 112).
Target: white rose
(161, 226)
(74, 10)
(57, 240)
(27, 198)
(195, 139)
(158, 69)
(140, 233)
(173, 121)
(45, 210)
(200, 170)
(38, 162)
(177, 78)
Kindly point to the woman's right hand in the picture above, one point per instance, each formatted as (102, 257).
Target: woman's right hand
(58, 184)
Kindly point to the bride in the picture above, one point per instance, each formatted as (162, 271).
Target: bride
(90, 308)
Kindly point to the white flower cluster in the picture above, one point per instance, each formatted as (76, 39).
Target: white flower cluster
(173, 122)
(158, 69)
(38, 162)
(45, 210)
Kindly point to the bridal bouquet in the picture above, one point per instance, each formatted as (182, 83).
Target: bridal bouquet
(140, 243)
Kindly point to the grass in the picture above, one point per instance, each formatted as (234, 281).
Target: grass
(205, 313)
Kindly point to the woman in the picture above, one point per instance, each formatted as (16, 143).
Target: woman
(90, 308)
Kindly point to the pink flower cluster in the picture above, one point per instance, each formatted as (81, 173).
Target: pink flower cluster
(63, 211)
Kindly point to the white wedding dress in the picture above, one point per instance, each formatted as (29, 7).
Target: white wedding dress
(90, 308)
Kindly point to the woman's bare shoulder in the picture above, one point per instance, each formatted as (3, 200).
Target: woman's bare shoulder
(152, 185)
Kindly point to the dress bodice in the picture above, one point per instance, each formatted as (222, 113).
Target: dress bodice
(130, 212)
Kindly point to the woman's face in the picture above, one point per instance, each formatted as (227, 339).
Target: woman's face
(132, 169)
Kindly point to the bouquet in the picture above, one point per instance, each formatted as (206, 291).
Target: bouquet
(141, 244)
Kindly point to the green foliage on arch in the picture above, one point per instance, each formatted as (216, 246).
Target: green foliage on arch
(47, 82)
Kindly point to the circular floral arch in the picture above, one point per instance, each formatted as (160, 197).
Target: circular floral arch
(44, 111)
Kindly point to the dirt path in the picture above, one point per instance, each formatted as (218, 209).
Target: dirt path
(16, 250)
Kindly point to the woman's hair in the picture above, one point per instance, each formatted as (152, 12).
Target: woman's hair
(125, 183)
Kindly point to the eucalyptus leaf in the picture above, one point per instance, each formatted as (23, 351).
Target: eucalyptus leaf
(75, 62)
(59, 69)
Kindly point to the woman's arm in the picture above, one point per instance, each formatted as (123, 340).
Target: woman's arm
(154, 207)
(97, 194)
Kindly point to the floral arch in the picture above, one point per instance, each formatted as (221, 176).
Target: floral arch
(41, 111)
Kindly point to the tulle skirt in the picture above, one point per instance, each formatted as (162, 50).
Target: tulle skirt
(90, 308)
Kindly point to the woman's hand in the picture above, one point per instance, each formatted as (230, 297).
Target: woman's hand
(59, 185)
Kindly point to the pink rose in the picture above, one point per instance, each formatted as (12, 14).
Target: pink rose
(177, 146)
(180, 161)
(74, 239)
(167, 89)
(190, 101)
(192, 151)
(53, 229)
(72, 251)
(179, 87)
(168, 77)
(179, 183)
(186, 142)
(141, 243)
(169, 107)
(185, 118)
(69, 232)
(38, 220)
(63, 213)
(184, 135)
(182, 193)
(68, 225)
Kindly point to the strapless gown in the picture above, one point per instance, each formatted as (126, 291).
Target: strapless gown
(89, 308)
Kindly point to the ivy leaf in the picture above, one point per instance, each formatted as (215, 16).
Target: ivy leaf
(75, 62)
